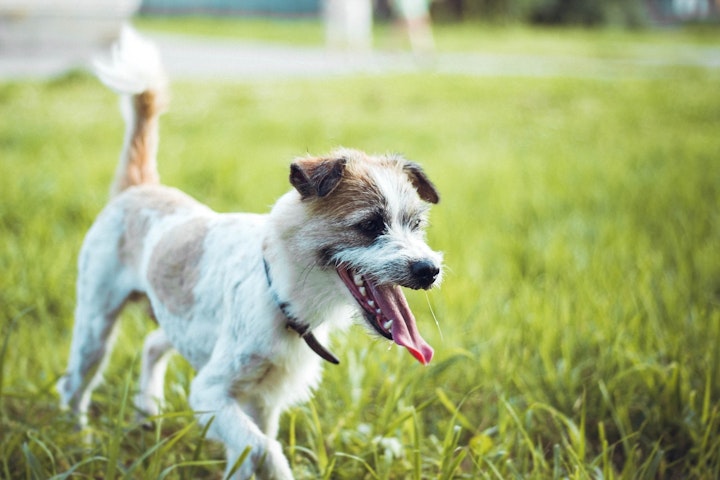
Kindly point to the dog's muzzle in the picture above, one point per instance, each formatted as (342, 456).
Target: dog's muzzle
(386, 310)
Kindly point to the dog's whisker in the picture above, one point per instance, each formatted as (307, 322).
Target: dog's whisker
(432, 312)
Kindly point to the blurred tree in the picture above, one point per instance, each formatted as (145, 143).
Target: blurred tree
(577, 12)
(630, 13)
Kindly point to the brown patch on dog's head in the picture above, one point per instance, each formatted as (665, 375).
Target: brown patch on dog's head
(422, 184)
(351, 198)
(316, 176)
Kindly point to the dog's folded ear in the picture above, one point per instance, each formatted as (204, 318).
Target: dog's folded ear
(422, 184)
(316, 176)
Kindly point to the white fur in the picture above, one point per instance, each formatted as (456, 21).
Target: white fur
(134, 65)
(203, 273)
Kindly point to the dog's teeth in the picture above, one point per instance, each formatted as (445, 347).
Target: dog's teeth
(363, 292)
(358, 280)
(378, 311)
(387, 325)
(371, 304)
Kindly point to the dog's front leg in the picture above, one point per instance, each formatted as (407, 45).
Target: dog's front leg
(213, 396)
(265, 466)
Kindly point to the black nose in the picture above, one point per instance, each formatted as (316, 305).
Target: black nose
(424, 272)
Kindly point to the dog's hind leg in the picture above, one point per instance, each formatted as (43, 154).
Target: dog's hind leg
(152, 372)
(92, 335)
(102, 290)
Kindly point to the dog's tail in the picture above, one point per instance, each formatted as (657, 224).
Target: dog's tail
(134, 70)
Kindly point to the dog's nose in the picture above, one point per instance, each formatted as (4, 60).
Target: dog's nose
(425, 272)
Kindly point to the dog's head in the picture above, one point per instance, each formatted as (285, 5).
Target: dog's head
(366, 219)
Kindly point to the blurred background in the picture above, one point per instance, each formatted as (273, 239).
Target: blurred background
(575, 146)
(47, 37)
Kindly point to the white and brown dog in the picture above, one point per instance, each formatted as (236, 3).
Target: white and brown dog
(249, 300)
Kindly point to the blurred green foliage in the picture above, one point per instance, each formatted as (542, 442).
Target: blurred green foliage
(576, 329)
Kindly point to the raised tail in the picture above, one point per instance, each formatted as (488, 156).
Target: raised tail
(134, 70)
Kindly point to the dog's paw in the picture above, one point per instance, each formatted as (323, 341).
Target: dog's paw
(275, 466)
(267, 464)
(146, 422)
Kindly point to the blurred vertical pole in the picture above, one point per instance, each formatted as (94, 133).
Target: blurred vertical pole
(348, 24)
(414, 18)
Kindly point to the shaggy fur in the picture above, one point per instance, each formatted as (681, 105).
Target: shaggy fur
(249, 300)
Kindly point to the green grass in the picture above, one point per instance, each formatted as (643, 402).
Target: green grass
(577, 326)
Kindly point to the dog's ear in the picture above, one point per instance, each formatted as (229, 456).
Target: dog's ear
(316, 176)
(422, 184)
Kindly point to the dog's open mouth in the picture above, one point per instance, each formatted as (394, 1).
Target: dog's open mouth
(387, 310)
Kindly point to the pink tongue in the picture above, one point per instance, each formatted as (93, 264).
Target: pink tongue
(404, 331)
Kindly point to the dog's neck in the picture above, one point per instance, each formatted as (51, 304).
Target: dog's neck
(293, 323)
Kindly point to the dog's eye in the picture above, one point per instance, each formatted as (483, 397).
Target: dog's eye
(416, 224)
(373, 226)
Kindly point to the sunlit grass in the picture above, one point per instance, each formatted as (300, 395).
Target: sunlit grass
(578, 321)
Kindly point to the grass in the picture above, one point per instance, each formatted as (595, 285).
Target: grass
(577, 327)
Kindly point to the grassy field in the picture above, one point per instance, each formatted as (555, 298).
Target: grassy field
(576, 332)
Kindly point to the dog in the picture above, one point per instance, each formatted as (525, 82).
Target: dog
(248, 299)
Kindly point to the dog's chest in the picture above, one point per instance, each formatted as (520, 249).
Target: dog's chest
(286, 378)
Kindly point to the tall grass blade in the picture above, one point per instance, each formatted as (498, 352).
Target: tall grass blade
(71, 471)
(3, 352)
(362, 461)
(320, 451)
(416, 452)
(33, 466)
(292, 440)
(156, 450)
(191, 463)
(327, 475)
(238, 463)
(33, 437)
(167, 444)
(557, 462)
(199, 446)
(538, 459)
(113, 456)
(450, 406)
